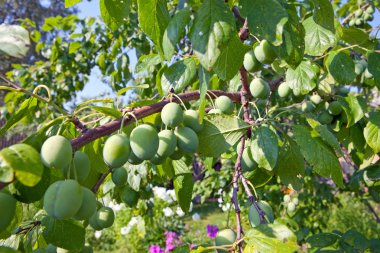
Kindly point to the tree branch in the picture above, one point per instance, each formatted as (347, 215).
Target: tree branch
(101, 179)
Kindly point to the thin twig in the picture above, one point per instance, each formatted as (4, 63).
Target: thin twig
(101, 179)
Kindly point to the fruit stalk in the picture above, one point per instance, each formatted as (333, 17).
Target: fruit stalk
(98, 183)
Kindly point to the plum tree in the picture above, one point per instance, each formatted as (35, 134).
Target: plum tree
(116, 150)
(253, 214)
(187, 139)
(102, 218)
(56, 152)
(88, 206)
(130, 196)
(259, 88)
(325, 118)
(119, 176)
(224, 104)
(335, 108)
(191, 119)
(251, 64)
(144, 141)
(166, 147)
(284, 90)
(7, 210)
(172, 114)
(225, 237)
(63, 199)
(264, 52)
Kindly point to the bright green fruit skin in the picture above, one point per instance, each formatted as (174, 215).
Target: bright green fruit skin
(254, 217)
(307, 106)
(325, 118)
(335, 108)
(283, 90)
(191, 119)
(88, 207)
(119, 176)
(178, 154)
(133, 159)
(172, 114)
(264, 52)
(7, 210)
(247, 162)
(251, 64)
(116, 150)
(63, 199)
(130, 196)
(51, 248)
(56, 152)
(367, 74)
(187, 139)
(259, 88)
(224, 104)
(144, 141)
(105, 217)
(225, 237)
(166, 147)
(316, 99)
(82, 167)
(215, 111)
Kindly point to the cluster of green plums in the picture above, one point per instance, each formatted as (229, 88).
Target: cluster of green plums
(361, 16)
(291, 202)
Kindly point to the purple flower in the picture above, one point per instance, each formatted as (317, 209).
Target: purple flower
(156, 249)
(212, 230)
(172, 240)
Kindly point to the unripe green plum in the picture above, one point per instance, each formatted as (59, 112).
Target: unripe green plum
(166, 147)
(316, 99)
(224, 104)
(264, 52)
(307, 106)
(191, 119)
(370, 10)
(225, 237)
(178, 154)
(325, 118)
(130, 196)
(367, 74)
(63, 199)
(215, 111)
(359, 68)
(352, 22)
(88, 207)
(56, 152)
(253, 214)
(251, 64)
(343, 91)
(172, 114)
(247, 161)
(116, 150)
(119, 176)
(335, 108)
(105, 217)
(291, 207)
(284, 90)
(81, 168)
(144, 141)
(358, 12)
(367, 17)
(259, 88)
(94, 222)
(7, 210)
(187, 139)
(358, 21)
(133, 159)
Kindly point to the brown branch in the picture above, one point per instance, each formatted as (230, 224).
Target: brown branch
(79, 125)
(3, 185)
(375, 215)
(101, 179)
(109, 128)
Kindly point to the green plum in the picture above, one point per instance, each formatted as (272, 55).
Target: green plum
(144, 141)
(172, 114)
(116, 150)
(251, 64)
(224, 104)
(225, 237)
(259, 88)
(187, 139)
(88, 207)
(119, 176)
(264, 52)
(254, 217)
(191, 119)
(284, 90)
(130, 196)
(7, 210)
(56, 152)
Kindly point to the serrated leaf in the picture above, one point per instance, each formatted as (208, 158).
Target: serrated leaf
(271, 238)
(372, 131)
(324, 14)
(24, 161)
(14, 40)
(355, 36)
(222, 131)
(74, 46)
(374, 66)
(231, 59)
(94, 151)
(329, 138)
(178, 75)
(291, 165)
(67, 234)
(175, 31)
(318, 154)
(114, 12)
(322, 240)
(69, 3)
(341, 67)
(318, 38)
(153, 18)
(264, 148)
(180, 167)
(356, 240)
(147, 62)
(213, 27)
(354, 107)
(27, 107)
(183, 187)
(301, 79)
(266, 18)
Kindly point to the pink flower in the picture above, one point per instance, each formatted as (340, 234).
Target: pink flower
(156, 249)
(212, 230)
(172, 240)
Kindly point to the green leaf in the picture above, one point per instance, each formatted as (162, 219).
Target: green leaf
(107, 111)
(204, 79)
(24, 161)
(180, 167)
(318, 154)
(114, 12)
(355, 107)
(213, 27)
(322, 240)
(27, 107)
(318, 38)
(329, 138)
(271, 238)
(67, 234)
(222, 131)
(264, 148)
(374, 66)
(14, 40)
(355, 36)
(174, 32)
(74, 46)
(372, 131)
(301, 79)
(266, 18)
(356, 240)
(94, 151)
(124, 90)
(136, 173)
(324, 14)
(147, 62)
(231, 59)
(17, 219)
(341, 67)
(179, 75)
(291, 165)
(183, 187)
(153, 19)
(69, 3)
